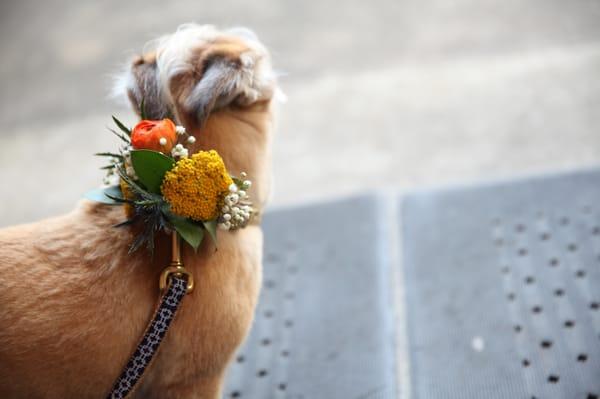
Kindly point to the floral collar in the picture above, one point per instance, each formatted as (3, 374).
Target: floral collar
(165, 188)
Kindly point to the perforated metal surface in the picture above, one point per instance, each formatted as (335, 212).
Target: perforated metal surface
(324, 326)
(503, 289)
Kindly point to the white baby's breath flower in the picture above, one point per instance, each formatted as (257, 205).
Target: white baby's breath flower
(162, 141)
(180, 130)
(130, 172)
(231, 200)
(237, 211)
(225, 225)
(191, 139)
(179, 151)
(243, 175)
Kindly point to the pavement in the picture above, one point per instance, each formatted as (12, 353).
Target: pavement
(382, 94)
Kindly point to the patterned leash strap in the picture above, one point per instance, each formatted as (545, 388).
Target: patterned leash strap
(175, 283)
(148, 346)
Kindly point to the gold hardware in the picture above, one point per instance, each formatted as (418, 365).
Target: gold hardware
(179, 271)
(176, 266)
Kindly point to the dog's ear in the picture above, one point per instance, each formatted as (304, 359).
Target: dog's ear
(203, 71)
(196, 94)
(142, 86)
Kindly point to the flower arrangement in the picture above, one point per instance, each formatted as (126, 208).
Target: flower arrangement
(165, 187)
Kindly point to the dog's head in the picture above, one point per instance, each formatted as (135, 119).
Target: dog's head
(197, 70)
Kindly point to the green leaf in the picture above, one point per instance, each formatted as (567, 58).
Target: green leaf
(211, 227)
(148, 203)
(119, 135)
(127, 222)
(188, 230)
(142, 109)
(120, 199)
(109, 154)
(150, 167)
(102, 195)
(121, 126)
(133, 185)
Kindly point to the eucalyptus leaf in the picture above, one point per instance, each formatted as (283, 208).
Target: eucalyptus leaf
(150, 167)
(211, 227)
(101, 195)
(189, 231)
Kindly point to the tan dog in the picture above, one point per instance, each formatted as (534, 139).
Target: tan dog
(73, 303)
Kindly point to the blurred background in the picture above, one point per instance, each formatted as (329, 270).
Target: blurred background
(400, 94)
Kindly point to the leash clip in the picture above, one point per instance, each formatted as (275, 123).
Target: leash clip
(176, 268)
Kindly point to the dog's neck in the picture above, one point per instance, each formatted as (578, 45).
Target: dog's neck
(243, 139)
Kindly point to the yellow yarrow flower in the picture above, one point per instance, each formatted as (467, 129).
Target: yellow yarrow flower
(196, 186)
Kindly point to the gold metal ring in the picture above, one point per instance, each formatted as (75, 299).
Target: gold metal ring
(177, 269)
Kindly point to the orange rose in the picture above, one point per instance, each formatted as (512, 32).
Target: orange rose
(154, 135)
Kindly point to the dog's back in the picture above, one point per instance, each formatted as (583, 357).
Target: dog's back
(75, 302)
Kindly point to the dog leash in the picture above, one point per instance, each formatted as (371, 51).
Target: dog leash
(175, 282)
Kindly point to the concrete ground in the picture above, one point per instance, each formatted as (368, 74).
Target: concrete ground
(395, 93)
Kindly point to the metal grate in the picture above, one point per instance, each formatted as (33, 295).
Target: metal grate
(324, 326)
(507, 305)
(502, 289)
